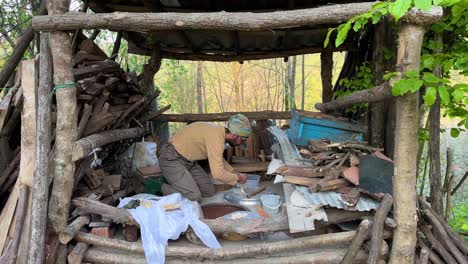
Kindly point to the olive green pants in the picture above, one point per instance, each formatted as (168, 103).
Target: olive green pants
(184, 176)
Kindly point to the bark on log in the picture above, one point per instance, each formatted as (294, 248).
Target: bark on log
(78, 253)
(377, 94)
(40, 184)
(361, 234)
(326, 72)
(432, 256)
(83, 147)
(377, 228)
(154, 115)
(459, 241)
(70, 231)
(243, 251)
(406, 147)
(218, 226)
(423, 256)
(245, 21)
(435, 244)
(261, 115)
(444, 238)
(20, 48)
(60, 44)
(87, 110)
(103, 255)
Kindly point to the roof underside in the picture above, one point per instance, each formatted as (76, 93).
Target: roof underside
(223, 45)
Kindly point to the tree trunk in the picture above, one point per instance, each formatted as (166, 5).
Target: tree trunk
(116, 48)
(292, 83)
(66, 128)
(326, 72)
(40, 187)
(435, 176)
(199, 87)
(303, 83)
(406, 147)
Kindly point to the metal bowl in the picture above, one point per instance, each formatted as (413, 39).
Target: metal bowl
(236, 197)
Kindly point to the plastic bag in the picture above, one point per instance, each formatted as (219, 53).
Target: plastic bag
(140, 154)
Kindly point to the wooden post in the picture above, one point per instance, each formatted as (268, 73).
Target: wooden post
(406, 139)
(377, 228)
(40, 186)
(361, 235)
(326, 70)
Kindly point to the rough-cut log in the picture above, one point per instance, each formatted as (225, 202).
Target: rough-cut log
(361, 234)
(437, 246)
(85, 146)
(424, 256)
(263, 249)
(432, 255)
(78, 253)
(261, 115)
(377, 94)
(406, 147)
(40, 185)
(60, 44)
(10, 169)
(101, 255)
(219, 226)
(459, 241)
(444, 238)
(251, 167)
(87, 110)
(326, 72)
(20, 48)
(331, 14)
(377, 228)
(153, 115)
(70, 231)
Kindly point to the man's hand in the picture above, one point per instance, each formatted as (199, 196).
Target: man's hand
(241, 178)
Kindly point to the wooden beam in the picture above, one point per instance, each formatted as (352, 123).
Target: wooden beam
(261, 115)
(250, 167)
(326, 72)
(246, 21)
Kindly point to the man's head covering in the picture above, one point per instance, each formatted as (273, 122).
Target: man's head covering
(239, 125)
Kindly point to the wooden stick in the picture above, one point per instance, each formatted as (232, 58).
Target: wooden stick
(257, 191)
(226, 252)
(432, 256)
(423, 256)
(361, 234)
(40, 184)
(87, 110)
(444, 238)
(460, 183)
(66, 127)
(377, 228)
(154, 115)
(102, 255)
(435, 244)
(458, 240)
(260, 115)
(83, 147)
(10, 169)
(70, 231)
(116, 48)
(78, 253)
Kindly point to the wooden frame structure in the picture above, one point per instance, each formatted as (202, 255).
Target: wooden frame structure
(412, 28)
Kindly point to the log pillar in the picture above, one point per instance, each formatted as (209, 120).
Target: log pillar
(411, 35)
(326, 72)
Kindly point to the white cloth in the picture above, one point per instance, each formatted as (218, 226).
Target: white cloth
(158, 226)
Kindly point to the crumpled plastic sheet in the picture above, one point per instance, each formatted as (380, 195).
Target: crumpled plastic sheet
(158, 226)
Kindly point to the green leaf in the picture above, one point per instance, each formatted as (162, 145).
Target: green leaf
(390, 75)
(444, 94)
(430, 96)
(427, 61)
(404, 86)
(376, 17)
(358, 24)
(342, 33)
(454, 132)
(412, 74)
(457, 95)
(327, 39)
(430, 78)
(399, 8)
(424, 5)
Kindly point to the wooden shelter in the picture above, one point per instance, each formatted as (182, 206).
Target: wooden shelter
(215, 31)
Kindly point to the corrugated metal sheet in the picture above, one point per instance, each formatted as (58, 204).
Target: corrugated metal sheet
(333, 199)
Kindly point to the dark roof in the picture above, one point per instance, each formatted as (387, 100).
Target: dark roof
(222, 45)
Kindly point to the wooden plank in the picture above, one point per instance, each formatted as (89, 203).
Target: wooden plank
(250, 167)
(260, 115)
(7, 216)
(298, 222)
(29, 82)
(301, 180)
(25, 234)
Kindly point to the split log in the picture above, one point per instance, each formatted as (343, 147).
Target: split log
(78, 253)
(437, 246)
(301, 180)
(310, 172)
(377, 228)
(93, 70)
(102, 255)
(72, 229)
(87, 110)
(329, 185)
(332, 14)
(377, 94)
(250, 167)
(361, 234)
(218, 226)
(83, 147)
(261, 115)
(244, 251)
(444, 238)
(351, 198)
(459, 241)
(10, 169)
(40, 184)
(66, 127)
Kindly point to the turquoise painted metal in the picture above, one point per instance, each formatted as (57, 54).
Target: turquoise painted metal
(305, 126)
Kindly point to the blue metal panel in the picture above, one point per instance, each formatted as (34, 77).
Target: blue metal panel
(304, 128)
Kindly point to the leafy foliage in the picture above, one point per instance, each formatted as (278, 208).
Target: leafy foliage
(459, 219)
(361, 81)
